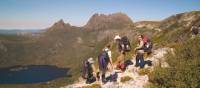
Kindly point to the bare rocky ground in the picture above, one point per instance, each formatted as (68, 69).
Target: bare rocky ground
(136, 81)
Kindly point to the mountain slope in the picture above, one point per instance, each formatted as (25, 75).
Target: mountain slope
(176, 28)
(147, 24)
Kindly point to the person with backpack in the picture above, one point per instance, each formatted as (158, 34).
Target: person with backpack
(89, 71)
(139, 52)
(195, 31)
(123, 47)
(123, 44)
(105, 61)
(148, 45)
(143, 46)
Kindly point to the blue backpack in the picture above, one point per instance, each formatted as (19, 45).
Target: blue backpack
(103, 60)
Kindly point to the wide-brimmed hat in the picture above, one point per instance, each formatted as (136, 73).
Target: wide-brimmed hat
(117, 37)
(90, 60)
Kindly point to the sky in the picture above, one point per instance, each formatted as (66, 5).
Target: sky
(40, 14)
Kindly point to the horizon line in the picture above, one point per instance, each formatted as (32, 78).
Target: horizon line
(82, 24)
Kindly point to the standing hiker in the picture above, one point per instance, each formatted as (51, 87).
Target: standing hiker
(123, 44)
(123, 47)
(105, 62)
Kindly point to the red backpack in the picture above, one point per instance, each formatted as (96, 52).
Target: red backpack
(145, 40)
(148, 45)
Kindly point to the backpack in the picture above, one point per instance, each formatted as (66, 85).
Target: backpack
(148, 45)
(127, 63)
(112, 77)
(126, 43)
(148, 62)
(103, 60)
(121, 66)
(86, 69)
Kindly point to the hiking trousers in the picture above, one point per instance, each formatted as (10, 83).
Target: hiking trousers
(140, 60)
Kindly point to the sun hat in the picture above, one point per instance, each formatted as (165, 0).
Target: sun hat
(90, 60)
(117, 37)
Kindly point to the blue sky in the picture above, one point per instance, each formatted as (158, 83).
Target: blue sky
(37, 14)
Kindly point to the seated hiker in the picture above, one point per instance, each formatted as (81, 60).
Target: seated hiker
(89, 71)
(123, 47)
(140, 52)
(105, 60)
(195, 31)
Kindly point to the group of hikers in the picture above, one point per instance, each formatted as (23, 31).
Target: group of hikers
(105, 61)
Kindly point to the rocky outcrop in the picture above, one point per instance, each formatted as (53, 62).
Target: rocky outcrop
(101, 21)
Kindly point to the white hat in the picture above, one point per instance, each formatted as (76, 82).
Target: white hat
(117, 37)
(106, 49)
(90, 60)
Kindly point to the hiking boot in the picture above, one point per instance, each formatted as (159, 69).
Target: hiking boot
(136, 65)
(90, 80)
(104, 81)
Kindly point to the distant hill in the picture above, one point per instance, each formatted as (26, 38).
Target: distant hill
(60, 25)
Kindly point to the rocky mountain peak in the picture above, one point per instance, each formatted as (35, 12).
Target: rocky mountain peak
(61, 22)
(102, 21)
(60, 25)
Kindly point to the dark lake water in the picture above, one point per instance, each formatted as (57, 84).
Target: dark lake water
(31, 74)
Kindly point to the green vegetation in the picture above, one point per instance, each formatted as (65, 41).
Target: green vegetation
(144, 71)
(13, 37)
(93, 86)
(173, 36)
(184, 68)
(125, 79)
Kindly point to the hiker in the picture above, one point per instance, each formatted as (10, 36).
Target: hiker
(123, 44)
(123, 47)
(89, 71)
(195, 31)
(148, 45)
(140, 52)
(105, 62)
